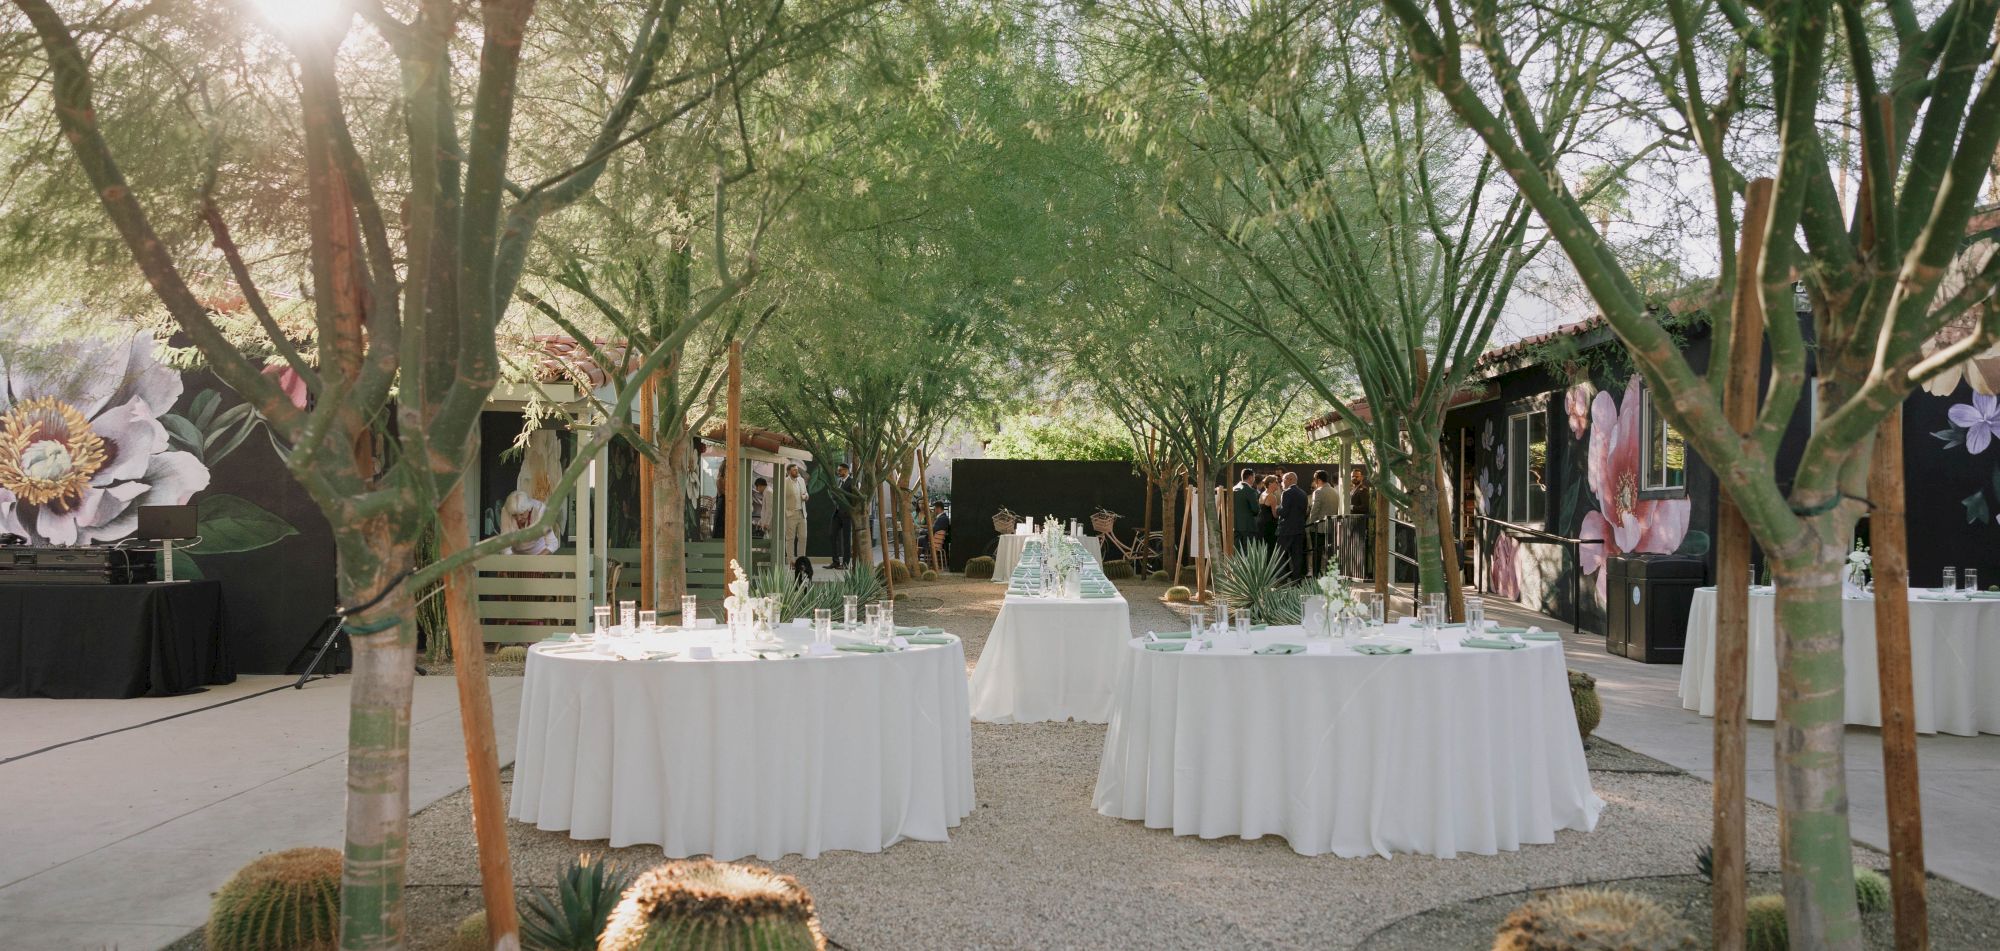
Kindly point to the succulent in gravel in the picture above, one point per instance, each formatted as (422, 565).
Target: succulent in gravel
(704, 904)
(979, 568)
(1764, 924)
(930, 574)
(1871, 890)
(511, 654)
(1583, 694)
(1179, 593)
(1160, 575)
(284, 901)
(572, 919)
(1591, 919)
(896, 569)
(1117, 569)
(470, 935)
(1187, 575)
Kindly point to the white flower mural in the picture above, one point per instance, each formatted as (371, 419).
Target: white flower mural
(82, 445)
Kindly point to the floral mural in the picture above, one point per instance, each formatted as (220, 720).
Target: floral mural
(1623, 521)
(1975, 428)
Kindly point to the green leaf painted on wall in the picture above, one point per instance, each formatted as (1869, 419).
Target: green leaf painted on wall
(1696, 543)
(184, 567)
(1976, 509)
(182, 434)
(230, 524)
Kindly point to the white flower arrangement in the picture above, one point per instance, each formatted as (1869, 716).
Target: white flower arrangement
(739, 591)
(1859, 557)
(1338, 596)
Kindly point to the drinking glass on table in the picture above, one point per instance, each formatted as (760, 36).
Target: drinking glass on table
(1427, 624)
(1196, 619)
(1950, 580)
(888, 619)
(822, 625)
(649, 619)
(849, 605)
(1971, 576)
(601, 615)
(874, 621)
(1243, 627)
(628, 615)
(1475, 615)
(687, 611)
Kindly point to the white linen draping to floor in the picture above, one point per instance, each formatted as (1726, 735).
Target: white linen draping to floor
(1008, 555)
(1954, 661)
(738, 756)
(1051, 659)
(1464, 750)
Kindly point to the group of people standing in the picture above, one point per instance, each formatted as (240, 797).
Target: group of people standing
(1300, 524)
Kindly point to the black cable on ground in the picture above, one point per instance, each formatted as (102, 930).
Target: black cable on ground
(122, 729)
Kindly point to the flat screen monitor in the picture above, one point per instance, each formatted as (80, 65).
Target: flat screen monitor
(157, 522)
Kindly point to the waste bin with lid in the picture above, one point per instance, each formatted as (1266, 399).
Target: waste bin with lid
(1650, 595)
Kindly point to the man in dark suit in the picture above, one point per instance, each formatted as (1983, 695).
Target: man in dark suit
(1244, 497)
(842, 521)
(940, 531)
(1292, 507)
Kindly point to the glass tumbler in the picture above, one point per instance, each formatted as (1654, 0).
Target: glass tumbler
(649, 619)
(1950, 580)
(1196, 620)
(1971, 576)
(687, 611)
(822, 625)
(888, 620)
(1475, 615)
(601, 615)
(874, 621)
(849, 605)
(628, 614)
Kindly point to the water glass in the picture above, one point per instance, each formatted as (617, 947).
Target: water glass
(628, 614)
(874, 621)
(888, 619)
(1436, 601)
(687, 611)
(1221, 616)
(1243, 626)
(849, 605)
(649, 619)
(1950, 580)
(1196, 619)
(822, 625)
(601, 614)
(1971, 576)
(1475, 615)
(1427, 624)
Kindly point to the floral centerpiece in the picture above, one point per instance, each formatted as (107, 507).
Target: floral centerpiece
(1341, 604)
(1859, 561)
(736, 607)
(1063, 564)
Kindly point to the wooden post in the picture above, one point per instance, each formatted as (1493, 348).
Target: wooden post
(1888, 536)
(1732, 591)
(475, 716)
(930, 519)
(734, 486)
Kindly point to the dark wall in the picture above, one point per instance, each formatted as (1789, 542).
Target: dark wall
(1953, 493)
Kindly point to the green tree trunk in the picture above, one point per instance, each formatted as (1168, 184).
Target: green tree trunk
(1424, 516)
(384, 638)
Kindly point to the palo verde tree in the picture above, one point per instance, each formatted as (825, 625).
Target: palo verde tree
(1741, 91)
(413, 224)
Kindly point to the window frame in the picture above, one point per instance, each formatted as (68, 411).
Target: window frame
(1648, 489)
(1515, 473)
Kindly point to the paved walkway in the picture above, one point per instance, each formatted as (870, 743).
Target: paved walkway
(1960, 774)
(117, 841)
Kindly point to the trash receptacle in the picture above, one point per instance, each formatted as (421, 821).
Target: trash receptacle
(1650, 595)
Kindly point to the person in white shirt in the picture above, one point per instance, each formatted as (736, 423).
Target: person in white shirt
(795, 514)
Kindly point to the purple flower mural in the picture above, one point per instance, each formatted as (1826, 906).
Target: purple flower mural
(1980, 419)
(1623, 521)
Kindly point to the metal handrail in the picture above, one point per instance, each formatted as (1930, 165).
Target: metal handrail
(1536, 535)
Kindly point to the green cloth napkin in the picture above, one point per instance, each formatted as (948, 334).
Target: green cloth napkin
(1173, 635)
(918, 630)
(865, 648)
(1985, 595)
(1281, 649)
(928, 639)
(1932, 596)
(1541, 636)
(1489, 643)
(1447, 627)
(1506, 630)
(1375, 650)
(1260, 627)
(1164, 646)
(1097, 595)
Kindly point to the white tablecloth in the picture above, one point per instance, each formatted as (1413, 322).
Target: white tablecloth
(1465, 750)
(1954, 662)
(738, 757)
(1051, 659)
(1009, 553)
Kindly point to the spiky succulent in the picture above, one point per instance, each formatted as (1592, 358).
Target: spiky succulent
(1591, 919)
(1871, 890)
(1583, 695)
(1249, 581)
(1764, 924)
(980, 568)
(511, 654)
(572, 917)
(284, 901)
(702, 905)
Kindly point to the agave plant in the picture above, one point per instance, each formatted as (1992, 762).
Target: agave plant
(865, 586)
(573, 918)
(1251, 580)
(795, 598)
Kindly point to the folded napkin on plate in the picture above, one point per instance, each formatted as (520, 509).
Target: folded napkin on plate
(928, 639)
(1983, 595)
(1281, 649)
(865, 648)
(1498, 629)
(1379, 649)
(1448, 627)
(1165, 645)
(900, 629)
(1489, 643)
(1172, 635)
(1540, 636)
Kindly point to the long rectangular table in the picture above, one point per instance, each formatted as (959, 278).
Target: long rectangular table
(1954, 661)
(73, 641)
(1007, 555)
(1050, 658)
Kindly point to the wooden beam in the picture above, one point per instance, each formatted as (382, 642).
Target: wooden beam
(1888, 535)
(1732, 590)
(734, 486)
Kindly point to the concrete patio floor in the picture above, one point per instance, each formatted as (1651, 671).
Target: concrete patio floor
(117, 841)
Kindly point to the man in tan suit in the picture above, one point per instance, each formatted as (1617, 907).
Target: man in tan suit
(1319, 521)
(795, 514)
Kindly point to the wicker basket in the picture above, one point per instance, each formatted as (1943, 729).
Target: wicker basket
(1103, 521)
(1004, 521)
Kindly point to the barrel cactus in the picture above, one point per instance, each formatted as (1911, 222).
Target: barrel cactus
(1871, 890)
(1764, 924)
(703, 904)
(512, 654)
(1583, 694)
(1117, 569)
(1590, 919)
(470, 935)
(284, 901)
(1179, 593)
(979, 568)
(1160, 575)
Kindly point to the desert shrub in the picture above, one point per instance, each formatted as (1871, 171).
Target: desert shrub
(1591, 919)
(1764, 924)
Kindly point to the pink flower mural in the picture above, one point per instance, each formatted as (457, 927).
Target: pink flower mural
(1623, 522)
(1504, 573)
(1576, 404)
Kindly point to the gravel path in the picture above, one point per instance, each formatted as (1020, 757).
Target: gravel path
(1035, 867)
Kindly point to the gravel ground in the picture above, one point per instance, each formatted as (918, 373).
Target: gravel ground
(1035, 867)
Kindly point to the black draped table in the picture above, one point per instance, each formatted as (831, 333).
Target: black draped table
(71, 641)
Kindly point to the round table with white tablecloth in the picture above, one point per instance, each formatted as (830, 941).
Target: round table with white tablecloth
(1008, 554)
(740, 756)
(1461, 750)
(1954, 661)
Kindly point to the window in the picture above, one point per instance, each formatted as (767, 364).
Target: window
(1528, 466)
(1665, 452)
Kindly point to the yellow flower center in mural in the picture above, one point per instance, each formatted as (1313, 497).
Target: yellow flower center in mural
(48, 452)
